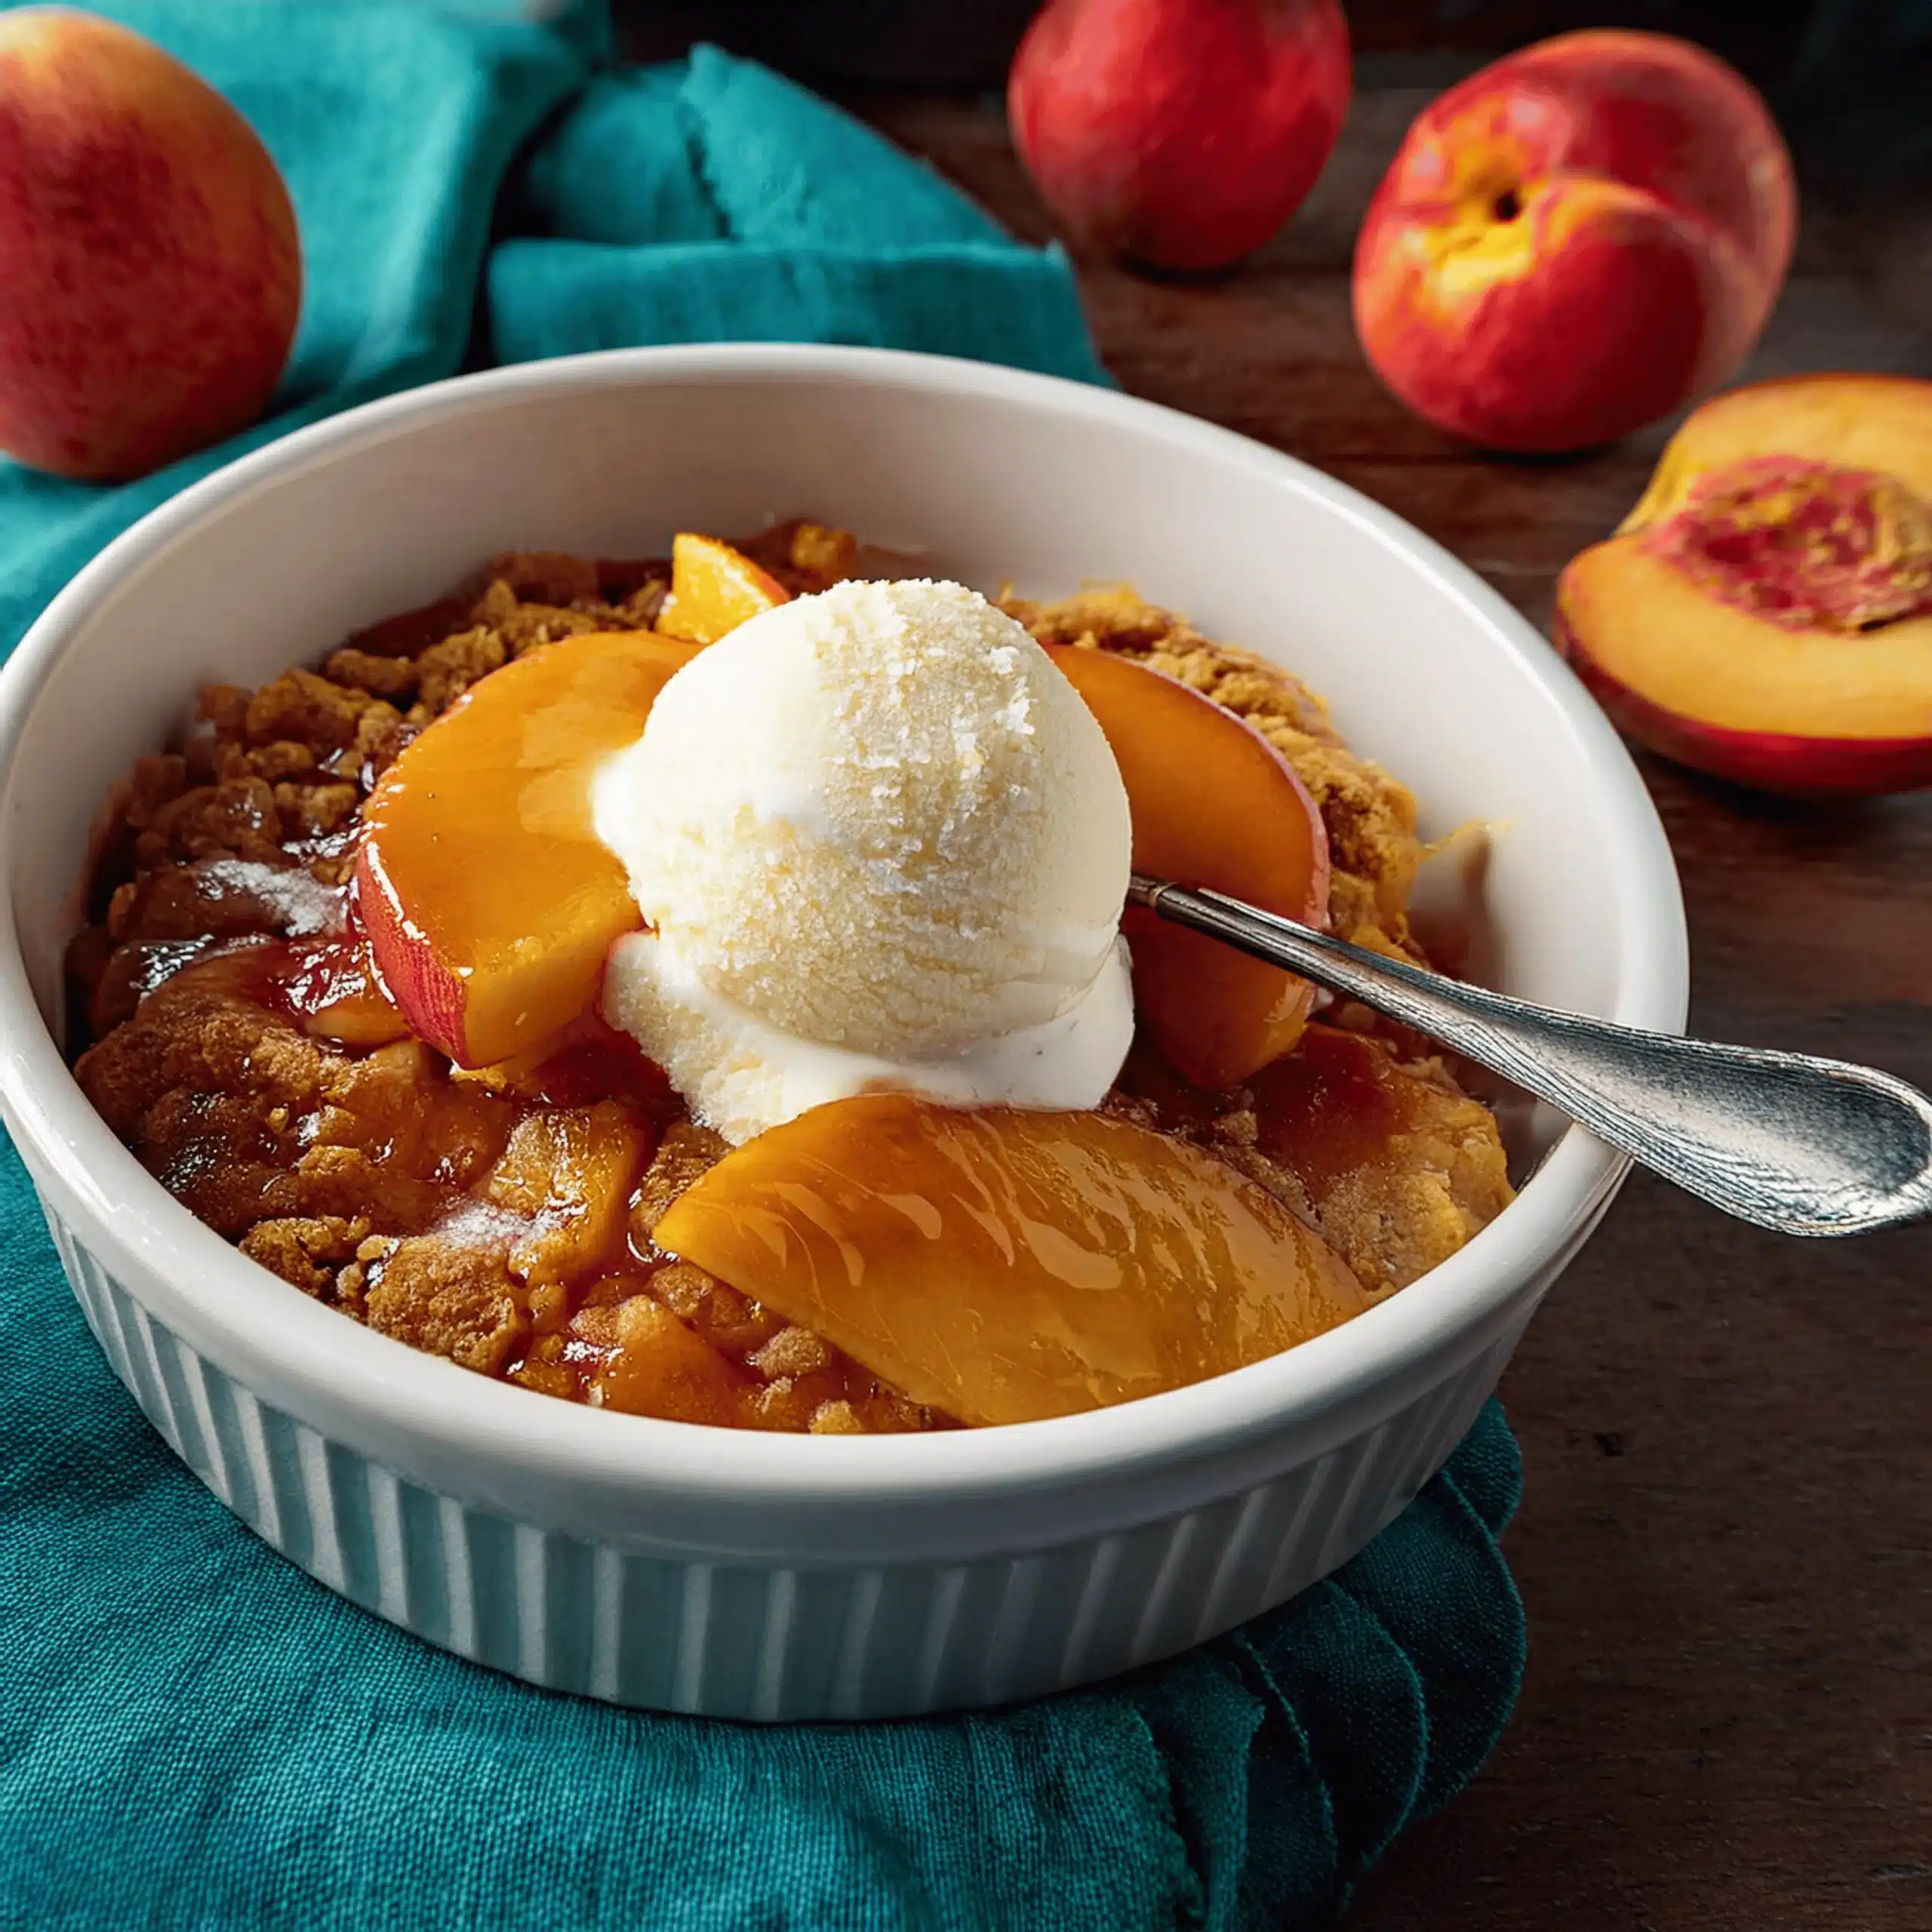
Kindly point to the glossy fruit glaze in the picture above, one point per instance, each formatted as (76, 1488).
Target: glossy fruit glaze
(1006, 1265)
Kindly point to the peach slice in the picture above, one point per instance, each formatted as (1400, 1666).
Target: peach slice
(714, 589)
(1006, 1265)
(488, 900)
(1765, 613)
(643, 1360)
(1214, 804)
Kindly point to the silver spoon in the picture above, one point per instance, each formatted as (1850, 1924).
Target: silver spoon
(1806, 1146)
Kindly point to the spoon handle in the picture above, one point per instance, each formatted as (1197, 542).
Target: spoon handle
(1806, 1146)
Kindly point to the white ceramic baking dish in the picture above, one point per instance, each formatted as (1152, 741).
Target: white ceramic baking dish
(762, 1576)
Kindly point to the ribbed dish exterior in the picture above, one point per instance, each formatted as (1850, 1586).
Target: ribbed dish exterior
(766, 1643)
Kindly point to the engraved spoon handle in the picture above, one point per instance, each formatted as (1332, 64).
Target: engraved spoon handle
(1806, 1146)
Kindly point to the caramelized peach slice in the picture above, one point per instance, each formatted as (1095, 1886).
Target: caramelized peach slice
(569, 1172)
(643, 1360)
(1005, 1266)
(1765, 612)
(1214, 805)
(488, 900)
(714, 589)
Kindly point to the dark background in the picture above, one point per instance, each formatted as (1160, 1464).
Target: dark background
(1851, 80)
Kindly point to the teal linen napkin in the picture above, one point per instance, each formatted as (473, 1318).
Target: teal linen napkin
(713, 201)
(194, 1734)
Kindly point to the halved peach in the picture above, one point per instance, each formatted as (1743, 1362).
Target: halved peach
(1857, 422)
(1765, 612)
(1005, 1266)
(714, 589)
(1214, 805)
(489, 902)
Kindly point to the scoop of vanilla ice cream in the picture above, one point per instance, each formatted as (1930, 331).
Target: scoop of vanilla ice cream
(882, 842)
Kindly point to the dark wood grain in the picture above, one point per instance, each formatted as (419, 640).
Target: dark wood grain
(1723, 1544)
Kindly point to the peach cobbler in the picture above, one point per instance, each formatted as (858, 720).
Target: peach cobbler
(699, 987)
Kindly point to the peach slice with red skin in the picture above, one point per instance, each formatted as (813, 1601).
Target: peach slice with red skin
(1765, 613)
(489, 902)
(1007, 1265)
(1575, 242)
(714, 589)
(1214, 805)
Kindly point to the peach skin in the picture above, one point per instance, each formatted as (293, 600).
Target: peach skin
(1575, 242)
(1765, 613)
(1181, 134)
(153, 270)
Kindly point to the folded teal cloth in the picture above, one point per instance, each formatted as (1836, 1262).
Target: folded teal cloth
(394, 126)
(194, 1734)
(711, 201)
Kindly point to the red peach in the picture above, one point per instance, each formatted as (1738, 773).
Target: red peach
(153, 269)
(1575, 242)
(1179, 133)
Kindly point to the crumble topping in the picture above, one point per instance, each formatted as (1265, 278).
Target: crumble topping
(230, 1031)
(1371, 818)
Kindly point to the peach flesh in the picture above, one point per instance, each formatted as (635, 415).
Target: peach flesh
(1803, 545)
(1765, 613)
(1214, 804)
(1007, 1265)
(489, 902)
(1651, 627)
(714, 589)
(1785, 762)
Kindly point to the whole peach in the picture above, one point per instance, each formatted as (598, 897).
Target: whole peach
(1179, 133)
(1575, 241)
(152, 267)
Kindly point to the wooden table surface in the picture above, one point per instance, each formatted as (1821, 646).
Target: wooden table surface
(1723, 1544)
